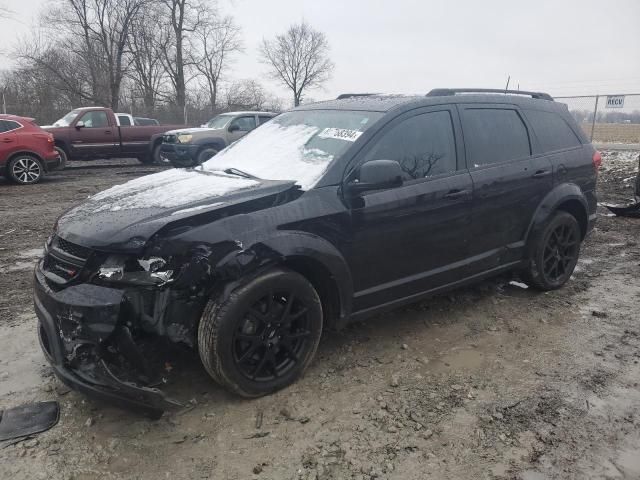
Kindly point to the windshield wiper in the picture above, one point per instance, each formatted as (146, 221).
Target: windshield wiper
(240, 173)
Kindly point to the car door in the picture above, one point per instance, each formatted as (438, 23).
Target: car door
(508, 183)
(8, 140)
(240, 126)
(92, 135)
(413, 238)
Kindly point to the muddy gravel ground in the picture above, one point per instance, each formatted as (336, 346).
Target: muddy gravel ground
(493, 381)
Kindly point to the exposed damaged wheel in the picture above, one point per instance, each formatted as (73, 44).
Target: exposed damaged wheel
(263, 336)
(555, 254)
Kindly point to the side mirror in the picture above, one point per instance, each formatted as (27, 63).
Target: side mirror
(376, 175)
(234, 128)
(80, 125)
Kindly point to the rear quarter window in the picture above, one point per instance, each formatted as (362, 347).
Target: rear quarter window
(494, 135)
(552, 131)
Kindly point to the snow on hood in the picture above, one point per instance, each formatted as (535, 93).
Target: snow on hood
(276, 152)
(169, 189)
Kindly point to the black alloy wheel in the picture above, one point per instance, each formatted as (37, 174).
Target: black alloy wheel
(560, 252)
(556, 249)
(263, 335)
(271, 336)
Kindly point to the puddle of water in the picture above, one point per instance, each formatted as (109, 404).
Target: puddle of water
(532, 475)
(461, 359)
(16, 267)
(31, 253)
(22, 359)
(629, 462)
(27, 261)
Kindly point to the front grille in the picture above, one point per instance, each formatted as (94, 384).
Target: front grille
(169, 138)
(64, 261)
(60, 268)
(69, 248)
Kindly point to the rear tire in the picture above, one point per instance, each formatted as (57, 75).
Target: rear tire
(263, 336)
(556, 248)
(25, 169)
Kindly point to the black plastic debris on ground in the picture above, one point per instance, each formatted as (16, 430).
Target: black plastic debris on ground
(632, 211)
(28, 419)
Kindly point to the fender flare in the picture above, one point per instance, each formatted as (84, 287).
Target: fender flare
(560, 194)
(153, 141)
(246, 263)
(216, 142)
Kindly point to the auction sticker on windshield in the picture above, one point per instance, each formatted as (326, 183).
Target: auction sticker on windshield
(340, 134)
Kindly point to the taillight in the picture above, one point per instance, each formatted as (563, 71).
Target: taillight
(597, 160)
(50, 138)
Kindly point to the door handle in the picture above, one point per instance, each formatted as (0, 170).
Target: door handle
(541, 174)
(107, 132)
(6, 140)
(456, 194)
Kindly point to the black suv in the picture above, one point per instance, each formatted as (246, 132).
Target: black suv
(330, 212)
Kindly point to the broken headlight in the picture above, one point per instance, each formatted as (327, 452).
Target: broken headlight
(152, 271)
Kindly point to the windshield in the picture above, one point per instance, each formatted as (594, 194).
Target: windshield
(298, 145)
(219, 122)
(67, 119)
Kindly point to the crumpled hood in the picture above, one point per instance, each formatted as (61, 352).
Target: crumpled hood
(125, 216)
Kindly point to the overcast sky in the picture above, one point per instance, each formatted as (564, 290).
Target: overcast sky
(409, 46)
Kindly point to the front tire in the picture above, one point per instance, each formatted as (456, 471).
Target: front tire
(25, 169)
(263, 336)
(63, 157)
(556, 249)
(206, 154)
(154, 157)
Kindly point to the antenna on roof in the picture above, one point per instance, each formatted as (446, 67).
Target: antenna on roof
(507, 87)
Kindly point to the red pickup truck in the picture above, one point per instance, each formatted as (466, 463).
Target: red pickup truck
(93, 132)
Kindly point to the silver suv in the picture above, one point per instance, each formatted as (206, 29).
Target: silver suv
(188, 147)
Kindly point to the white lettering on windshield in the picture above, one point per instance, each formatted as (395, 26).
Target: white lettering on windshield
(340, 134)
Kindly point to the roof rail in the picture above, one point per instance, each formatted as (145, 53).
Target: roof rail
(445, 92)
(351, 95)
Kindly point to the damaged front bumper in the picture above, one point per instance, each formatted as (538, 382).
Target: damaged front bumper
(79, 330)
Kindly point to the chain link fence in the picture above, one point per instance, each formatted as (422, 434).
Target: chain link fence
(607, 119)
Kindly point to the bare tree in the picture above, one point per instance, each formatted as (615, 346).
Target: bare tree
(298, 59)
(107, 23)
(84, 44)
(217, 40)
(184, 18)
(147, 45)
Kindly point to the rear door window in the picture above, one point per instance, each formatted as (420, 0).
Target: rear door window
(8, 125)
(424, 146)
(494, 135)
(552, 131)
